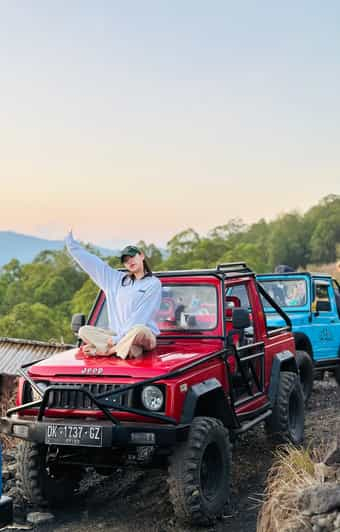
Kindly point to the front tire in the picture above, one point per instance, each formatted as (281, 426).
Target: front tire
(306, 372)
(199, 472)
(38, 482)
(286, 424)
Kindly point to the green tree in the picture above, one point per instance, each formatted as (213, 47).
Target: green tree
(52, 291)
(84, 298)
(248, 253)
(35, 322)
(289, 241)
(323, 223)
(324, 239)
(181, 249)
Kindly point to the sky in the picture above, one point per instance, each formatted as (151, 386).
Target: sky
(136, 120)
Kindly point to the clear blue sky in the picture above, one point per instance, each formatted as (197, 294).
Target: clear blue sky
(137, 119)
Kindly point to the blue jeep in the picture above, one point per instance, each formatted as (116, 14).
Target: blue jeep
(312, 302)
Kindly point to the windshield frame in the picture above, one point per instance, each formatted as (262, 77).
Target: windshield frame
(217, 333)
(189, 330)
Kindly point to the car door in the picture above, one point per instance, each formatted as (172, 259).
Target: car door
(325, 320)
(249, 347)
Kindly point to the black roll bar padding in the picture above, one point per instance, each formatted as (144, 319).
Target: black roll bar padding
(277, 307)
(15, 409)
(232, 352)
(240, 360)
(243, 373)
(154, 415)
(28, 364)
(31, 381)
(234, 267)
(101, 406)
(250, 359)
(165, 376)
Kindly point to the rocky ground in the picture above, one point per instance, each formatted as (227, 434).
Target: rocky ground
(131, 500)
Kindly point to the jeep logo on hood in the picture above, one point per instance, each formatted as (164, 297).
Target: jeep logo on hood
(92, 371)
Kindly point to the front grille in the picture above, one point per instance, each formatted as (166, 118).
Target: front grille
(75, 399)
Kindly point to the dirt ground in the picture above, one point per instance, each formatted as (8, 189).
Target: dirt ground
(137, 501)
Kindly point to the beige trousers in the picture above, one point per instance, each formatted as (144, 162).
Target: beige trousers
(137, 339)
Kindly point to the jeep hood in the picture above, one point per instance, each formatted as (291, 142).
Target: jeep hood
(156, 362)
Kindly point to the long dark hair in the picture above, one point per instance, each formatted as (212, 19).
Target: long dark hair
(147, 266)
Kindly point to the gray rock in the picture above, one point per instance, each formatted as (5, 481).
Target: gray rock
(36, 518)
(337, 521)
(320, 499)
(333, 455)
(326, 521)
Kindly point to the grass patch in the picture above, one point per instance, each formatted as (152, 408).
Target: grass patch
(291, 473)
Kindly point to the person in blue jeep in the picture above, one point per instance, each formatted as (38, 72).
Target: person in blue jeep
(133, 299)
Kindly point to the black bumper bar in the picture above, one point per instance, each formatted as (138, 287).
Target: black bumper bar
(121, 435)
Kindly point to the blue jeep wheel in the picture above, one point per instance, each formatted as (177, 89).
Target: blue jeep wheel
(305, 368)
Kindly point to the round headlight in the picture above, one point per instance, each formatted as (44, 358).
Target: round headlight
(152, 398)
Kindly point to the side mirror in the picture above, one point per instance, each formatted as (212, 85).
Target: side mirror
(78, 320)
(241, 319)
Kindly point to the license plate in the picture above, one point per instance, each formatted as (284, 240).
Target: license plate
(84, 435)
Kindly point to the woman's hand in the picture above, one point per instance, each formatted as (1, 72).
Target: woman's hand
(111, 346)
(110, 342)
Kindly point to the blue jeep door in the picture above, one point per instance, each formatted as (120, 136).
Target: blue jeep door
(326, 321)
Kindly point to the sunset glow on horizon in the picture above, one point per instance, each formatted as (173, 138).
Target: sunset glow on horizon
(132, 121)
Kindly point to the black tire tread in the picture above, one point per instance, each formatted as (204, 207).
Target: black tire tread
(28, 465)
(182, 488)
(33, 484)
(303, 358)
(278, 423)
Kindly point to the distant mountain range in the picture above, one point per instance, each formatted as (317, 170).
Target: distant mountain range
(25, 247)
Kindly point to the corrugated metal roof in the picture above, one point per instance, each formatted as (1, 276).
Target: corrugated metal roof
(15, 352)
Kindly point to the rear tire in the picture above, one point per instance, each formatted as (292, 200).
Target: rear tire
(306, 373)
(37, 481)
(199, 472)
(286, 424)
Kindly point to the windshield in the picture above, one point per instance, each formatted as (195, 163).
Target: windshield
(183, 307)
(188, 307)
(286, 292)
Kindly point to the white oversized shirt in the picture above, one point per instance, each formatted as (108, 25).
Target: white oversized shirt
(129, 302)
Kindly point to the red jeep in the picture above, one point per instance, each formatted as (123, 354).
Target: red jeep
(216, 372)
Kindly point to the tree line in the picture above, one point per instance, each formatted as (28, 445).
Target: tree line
(38, 299)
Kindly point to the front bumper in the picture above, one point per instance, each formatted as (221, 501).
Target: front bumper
(122, 435)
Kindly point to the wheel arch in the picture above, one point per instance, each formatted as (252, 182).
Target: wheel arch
(283, 361)
(208, 399)
(303, 343)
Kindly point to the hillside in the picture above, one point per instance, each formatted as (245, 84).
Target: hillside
(26, 247)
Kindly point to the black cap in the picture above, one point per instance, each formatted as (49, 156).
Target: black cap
(129, 251)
